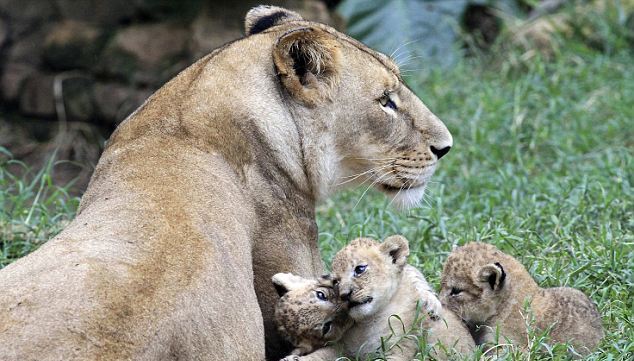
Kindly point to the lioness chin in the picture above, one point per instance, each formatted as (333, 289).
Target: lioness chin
(208, 190)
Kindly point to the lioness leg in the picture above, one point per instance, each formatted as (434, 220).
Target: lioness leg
(289, 253)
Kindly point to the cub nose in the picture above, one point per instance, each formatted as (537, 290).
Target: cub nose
(344, 294)
(440, 152)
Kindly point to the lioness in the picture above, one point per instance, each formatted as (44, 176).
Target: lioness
(208, 190)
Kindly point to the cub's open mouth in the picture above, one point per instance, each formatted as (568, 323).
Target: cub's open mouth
(357, 303)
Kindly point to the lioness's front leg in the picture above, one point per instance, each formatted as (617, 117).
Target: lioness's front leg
(283, 251)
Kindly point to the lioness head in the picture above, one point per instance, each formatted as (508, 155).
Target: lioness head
(367, 273)
(308, 313)
(475, 281)
(356, 113)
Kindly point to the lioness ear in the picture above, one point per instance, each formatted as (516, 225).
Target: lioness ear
(263, 17)
(285, 282)
(397, 247)
(307, 62)
(493, 274)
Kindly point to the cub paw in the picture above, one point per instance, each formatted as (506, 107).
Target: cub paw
(433, 307)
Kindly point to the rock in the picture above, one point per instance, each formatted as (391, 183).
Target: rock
(13, 77)
(316, 10)
(152, 44)
(209, 32)
(28, 48)
(71, 92)
(114, 102)
(4, 32)
(36, 96)
(25, 16)
(72, 44)
(28, 10)
(149, 53)
(77, 94)
(96, 11)
(165, 9)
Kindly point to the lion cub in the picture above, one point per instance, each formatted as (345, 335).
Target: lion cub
(488, 288)
(308, 313)
(377, 284)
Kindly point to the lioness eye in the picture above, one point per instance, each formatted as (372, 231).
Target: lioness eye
(455, 291)
(359, 269)
(387, 102)
(326, 328)
(322, 296)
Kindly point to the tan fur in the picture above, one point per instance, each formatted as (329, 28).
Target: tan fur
(301, 315)
(207, 191)
(395, 288)
(490, 290)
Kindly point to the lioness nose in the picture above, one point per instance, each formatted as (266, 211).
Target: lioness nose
(439, 152)
(345, 296)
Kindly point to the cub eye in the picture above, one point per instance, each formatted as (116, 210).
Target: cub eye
(387, 102)
(455, 291)
(321, 296)
(358, 270)
(326, 328)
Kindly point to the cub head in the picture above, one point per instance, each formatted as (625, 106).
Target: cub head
(308, 313)
(357, 116)
(476, 281)
(367, 273)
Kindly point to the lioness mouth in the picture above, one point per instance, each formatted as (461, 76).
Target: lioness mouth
(389, 188)
(356, 303)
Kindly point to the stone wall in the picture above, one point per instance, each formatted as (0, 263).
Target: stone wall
(96, 61)
(71, 70)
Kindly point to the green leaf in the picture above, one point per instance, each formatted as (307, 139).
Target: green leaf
(411, 31)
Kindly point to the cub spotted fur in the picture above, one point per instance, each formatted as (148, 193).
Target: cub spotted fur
(208, 190)
(386, 286)
(309, 314)
(488, 289)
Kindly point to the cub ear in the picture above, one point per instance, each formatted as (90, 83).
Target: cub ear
(397, 247)
(263, 17)
(493, 274)
(285, 282)
(307, 61)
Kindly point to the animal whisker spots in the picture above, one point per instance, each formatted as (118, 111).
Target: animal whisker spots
(377, 159)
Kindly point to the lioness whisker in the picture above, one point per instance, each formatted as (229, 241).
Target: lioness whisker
(394, 54)
(362, 173)
(370, 186)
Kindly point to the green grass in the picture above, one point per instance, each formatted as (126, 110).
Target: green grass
(32, 208)
(541, 167)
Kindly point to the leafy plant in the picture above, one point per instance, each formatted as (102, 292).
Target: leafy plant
(413, 31)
